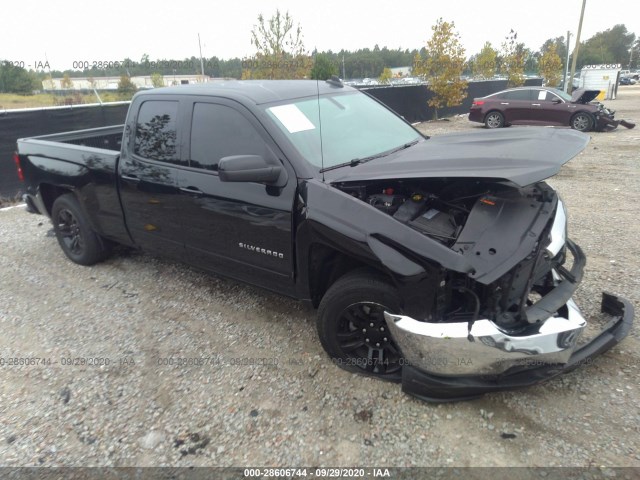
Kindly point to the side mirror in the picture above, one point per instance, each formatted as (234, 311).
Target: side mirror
(556, 101)
(251, 168)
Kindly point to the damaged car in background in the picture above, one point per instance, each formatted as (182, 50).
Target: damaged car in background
(442, 263)
(545, 106)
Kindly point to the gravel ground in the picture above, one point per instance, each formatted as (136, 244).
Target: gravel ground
(268, 394)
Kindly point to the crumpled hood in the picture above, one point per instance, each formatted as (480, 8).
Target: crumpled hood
(522, 156)
(584, 96)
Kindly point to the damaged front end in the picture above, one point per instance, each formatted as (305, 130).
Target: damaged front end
(502, 315)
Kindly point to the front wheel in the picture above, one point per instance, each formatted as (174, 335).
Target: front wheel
(494, 120)
(75, 236)
(352, 327)
(582, 122)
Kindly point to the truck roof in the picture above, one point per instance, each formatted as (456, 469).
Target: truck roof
(256, 91)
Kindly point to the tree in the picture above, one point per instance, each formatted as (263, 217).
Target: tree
(485, 63)
(66, 81)
(157, 80)
(323, 67)
(280, 51)
(126, 88)
(442, 66)
(550, 67)
(385, 76)
(561, 47)
(513, 59)
(611, 46)
(15, 79)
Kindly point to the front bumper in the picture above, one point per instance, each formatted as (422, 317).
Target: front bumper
(453, 361)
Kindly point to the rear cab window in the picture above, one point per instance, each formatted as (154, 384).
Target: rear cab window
(156, 131)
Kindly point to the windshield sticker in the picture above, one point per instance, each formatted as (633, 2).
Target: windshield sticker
(292, 118)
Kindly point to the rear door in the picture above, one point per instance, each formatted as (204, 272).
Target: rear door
(242, 230)
(516, 106)
(149, 176)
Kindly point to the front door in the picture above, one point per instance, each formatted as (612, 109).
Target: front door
(547, 108)
(239, 229)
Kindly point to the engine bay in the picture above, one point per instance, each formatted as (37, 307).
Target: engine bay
(439, 210)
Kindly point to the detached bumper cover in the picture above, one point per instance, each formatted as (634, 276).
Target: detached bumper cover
(436, 388)
(455, 361)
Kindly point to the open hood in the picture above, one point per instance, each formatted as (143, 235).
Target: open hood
(522, 156)
(584, 96)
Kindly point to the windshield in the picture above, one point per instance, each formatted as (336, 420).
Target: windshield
(563, 95)
(353, 127)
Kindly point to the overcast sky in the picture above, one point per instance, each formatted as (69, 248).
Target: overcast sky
(112, 30)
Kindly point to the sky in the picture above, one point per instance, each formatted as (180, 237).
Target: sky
(73, 31)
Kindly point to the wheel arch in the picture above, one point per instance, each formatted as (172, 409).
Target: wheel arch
(328, 264)
(49, 193)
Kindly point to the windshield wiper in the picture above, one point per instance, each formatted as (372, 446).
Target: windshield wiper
(357, 161)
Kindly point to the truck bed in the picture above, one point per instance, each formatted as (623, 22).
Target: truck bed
(84, 162)
(106, 138)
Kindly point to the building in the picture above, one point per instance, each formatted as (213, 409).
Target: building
(111, 83)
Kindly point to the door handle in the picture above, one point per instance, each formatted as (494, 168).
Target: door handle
(535, 104)
(193, 191)
(130, 178)
(504, 103)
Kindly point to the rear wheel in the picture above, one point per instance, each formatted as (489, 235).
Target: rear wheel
(75, 236)
(494, 120)
(583, 122)
(352, 327)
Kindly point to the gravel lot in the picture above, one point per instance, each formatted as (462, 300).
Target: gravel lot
(269, 395)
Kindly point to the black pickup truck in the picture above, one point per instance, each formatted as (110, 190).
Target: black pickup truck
(437, 262)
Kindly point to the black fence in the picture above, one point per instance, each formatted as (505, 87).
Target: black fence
(22, 124)
(410, 101)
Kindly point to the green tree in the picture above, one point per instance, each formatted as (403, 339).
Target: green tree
(323, 67)
(611, 46)
(15, 79)
(550, 66)
(385, 76)
(486, 62)
(280, 51)
(157, 80)
(126, 88)
(513, 59)
(66, 81)
(442, 66)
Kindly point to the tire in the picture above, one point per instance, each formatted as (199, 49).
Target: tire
(352, 328)
(494, 120)
(582, 122)
(76, 238)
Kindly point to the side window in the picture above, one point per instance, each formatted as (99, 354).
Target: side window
(156, 131)
(218, 131)
(517, 95)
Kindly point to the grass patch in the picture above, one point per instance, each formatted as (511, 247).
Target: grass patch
(9, 101)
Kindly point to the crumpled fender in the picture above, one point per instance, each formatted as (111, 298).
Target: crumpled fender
(353, 226)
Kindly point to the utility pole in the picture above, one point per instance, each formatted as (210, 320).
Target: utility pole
(567, 81)
(575, 50)
(344, 75)
(201, 62)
